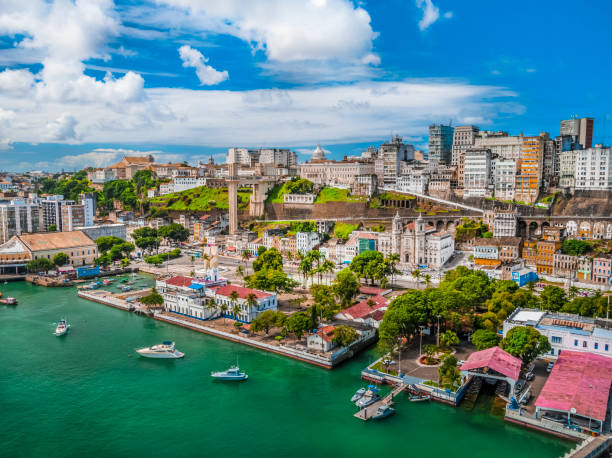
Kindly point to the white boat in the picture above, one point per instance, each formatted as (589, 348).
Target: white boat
(383, 411)
(165, 350)
(369, 397)
(233, 373)
(358, 394)
(61, 328)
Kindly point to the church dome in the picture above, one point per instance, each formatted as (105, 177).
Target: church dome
(319, 154)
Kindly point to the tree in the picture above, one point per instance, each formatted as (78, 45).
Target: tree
(403, 317)
(153, 299)
(268, 259)
(575, 247)
(206, 258)
(391, 260)
(449, 338)
(367, 265)
(224, 308)
(324, 300)
(305, 268)
(60, 259)
(416, 274)
(552, 298)
(125, 262)
(344, 335)
(430, 350)
(531, 286)
(449, 373)
(107, 242)
(236, 310)
(573, 291)
(526, 343)
(148, 243)
(298, 323)
(251, 300)
(173, 232)
(142, 232)
(271, 280)
(427, 279)
(52, 227)
(345, 287)
(267, 320)
(39, 265)
(484, 339)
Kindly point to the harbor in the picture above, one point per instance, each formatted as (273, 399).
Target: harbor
(95, 372)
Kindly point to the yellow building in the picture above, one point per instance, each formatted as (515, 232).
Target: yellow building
(529, 167)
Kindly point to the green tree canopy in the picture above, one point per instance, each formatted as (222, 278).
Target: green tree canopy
(526, 343)
(299, 323)
(39, 265)
(449, 372)
(153, 298)
(299, 186)
(148, 243)
(268, 259)
(60, 259)
(107, 242)
(552, 298)
(270, 280)
(175, 232)
(268, 320)
(345, 287)
(344, 335)
(404, 315)
(368, 265)
(144, 232)
(484, 339)
(575, 247)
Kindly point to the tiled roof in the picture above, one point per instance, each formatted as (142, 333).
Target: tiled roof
(180, 280)
(326, 333)
(42, 241)
(494, 358)
(373, 291)
(362, 309)
(242, 291)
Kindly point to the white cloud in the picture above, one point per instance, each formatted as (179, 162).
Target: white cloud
(431, 13)
(63, 128)
(448, 15)
(207, 75)
(16, 81)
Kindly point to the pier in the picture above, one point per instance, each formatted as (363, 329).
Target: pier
(367, 412)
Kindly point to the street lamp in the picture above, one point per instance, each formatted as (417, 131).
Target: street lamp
(438, 336)
(420, 339)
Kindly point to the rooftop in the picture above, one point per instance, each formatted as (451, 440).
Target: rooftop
(243, 292)
(579, 381)
(179, 280)
(494, 358)
(363, 309)
(55, 240)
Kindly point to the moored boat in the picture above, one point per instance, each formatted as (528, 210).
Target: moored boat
(358, 394)
(126, 288)
(8, 301)
(62, 328)
(382, 412)
(233, 373)
(165, 350)
(369, 397)
(420, 397)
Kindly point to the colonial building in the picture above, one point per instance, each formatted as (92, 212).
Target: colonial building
(335, 173)
(129, 165)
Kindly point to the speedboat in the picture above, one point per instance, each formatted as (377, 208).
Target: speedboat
(108, 281)
(8, 301)
(383, 411)
(358, 394)
(369, 397)
(233, 373)
(165, 350)
(126, 288)
(61, 328)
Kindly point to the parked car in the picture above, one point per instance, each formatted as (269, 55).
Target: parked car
(519, 386)
(549, 366)
(529, 376)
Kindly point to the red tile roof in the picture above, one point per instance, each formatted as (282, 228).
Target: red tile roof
(326, 333)
(373, 291)
(180, 281)
(362, 309)
(378, 315)
(494, 358)
(242, 291)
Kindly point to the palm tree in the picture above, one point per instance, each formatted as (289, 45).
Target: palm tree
(206, 258)
(416, 274)
(251, 302)
(245, 257)
(305, 268)
(392, 261)
(224, 308)
(427, 279)
(327, 267)
(236, 310)
(211, 306)
(573, 292)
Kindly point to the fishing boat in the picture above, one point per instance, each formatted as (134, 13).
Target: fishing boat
(233, 373)
(382, 412)
(8, 301)
(126, 288)
(108, 281)
(165, 350)
(62, 328)
(369, 397)
(358, 394)
(124, 280)
(92, 285)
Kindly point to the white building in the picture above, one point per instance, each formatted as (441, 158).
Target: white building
(278, 157)
(88, 200)
(593, 168)
(322, 340)
(566, 331)
(567, 169)
(334, 173)
(263, 301)
(179, 184)
(463, 139)
(500, 144)
(18, 217)
(413, 183)
(504, 176)
(101, 176)
(105, 230)
(306, 241)
(477, 172)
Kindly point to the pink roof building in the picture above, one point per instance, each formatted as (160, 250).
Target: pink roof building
(496, 359)
(579, 381)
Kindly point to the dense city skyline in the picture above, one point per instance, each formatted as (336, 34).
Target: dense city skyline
(187, 80)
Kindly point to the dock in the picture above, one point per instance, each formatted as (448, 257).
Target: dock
(367, 412)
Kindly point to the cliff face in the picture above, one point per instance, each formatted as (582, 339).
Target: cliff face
(583, 203)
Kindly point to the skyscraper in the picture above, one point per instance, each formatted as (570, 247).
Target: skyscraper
(440, 143)
(463, 138)
(582, 128)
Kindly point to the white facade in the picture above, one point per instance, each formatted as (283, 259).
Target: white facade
(414, 183)
(19, 217)
(306, 241)
(440, 246)
(567, 166)
(566, 331)
(477, 172)
(500, 144)
(593, 169)
(331, 173)
(88, 200)
(504, 176)
(463, 139)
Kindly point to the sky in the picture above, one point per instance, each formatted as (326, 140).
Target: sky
(85, 82)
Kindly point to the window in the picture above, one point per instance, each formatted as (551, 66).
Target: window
(606, 347)
(596, 345)
(556, 339)
(575, 343)
(584, 344)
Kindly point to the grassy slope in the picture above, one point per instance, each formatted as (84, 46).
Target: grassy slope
(336, 195)
(200, 199)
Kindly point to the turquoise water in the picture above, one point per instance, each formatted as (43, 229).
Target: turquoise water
(87, 394)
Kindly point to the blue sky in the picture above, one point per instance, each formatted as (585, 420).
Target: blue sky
(82, 83)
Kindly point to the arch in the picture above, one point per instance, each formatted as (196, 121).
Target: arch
(533, 228)
(584, 230)
(431, 223)
(450, 226)
(609, 231)
(522, 228)
(545, 225)
(599, 230)
(439, 226)
(571, 228)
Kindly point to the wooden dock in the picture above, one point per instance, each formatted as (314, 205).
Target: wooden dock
(367, 412)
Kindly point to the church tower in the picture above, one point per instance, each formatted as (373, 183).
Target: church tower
(396, 234)
(419, 240)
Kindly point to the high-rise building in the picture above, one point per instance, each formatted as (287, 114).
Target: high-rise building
(567, 168)
(390, 156)
(73, 216)
(504, 178)
(52, 211)
(477, 172)
(529, 176)
(278, 157)
(19, 217)
(463, 138)
(440, 143)
(500, 143)
(593, 168)
(242, 156)
(581, 128)
(88, 200)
